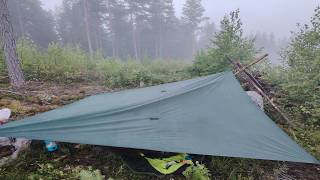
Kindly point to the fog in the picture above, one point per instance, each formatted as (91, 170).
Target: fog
(276, 16)
(156, 29)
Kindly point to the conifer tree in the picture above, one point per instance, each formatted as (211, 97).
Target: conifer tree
(31, 21)
(192, 17)
(10, 51)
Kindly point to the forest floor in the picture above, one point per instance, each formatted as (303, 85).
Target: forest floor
(41, 97)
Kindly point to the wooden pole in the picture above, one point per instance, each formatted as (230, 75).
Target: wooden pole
(258, 86)
(270, 100)
(252, 63)
(251, 77)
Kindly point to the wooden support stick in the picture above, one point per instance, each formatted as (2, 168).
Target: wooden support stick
(251, 64)
(238, 65)
(264, 95)
(260, 89)
(251, 77)
(243, 69)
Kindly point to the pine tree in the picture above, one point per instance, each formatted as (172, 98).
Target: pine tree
(80, 22)
(228, 42)
(10, 50)
(137, 15)
(192, 17)
(117, 26)
(86, 18)
(206, 34)
(172, 37)
(31, 21)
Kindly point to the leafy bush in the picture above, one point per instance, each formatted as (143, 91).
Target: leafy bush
(298, 83)
(228, 42)
(71, 64)
(299, 78)
(197, 172)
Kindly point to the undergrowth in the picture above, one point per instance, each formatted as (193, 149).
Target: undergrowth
(71, 64)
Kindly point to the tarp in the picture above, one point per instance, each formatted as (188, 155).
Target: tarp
(209, 115)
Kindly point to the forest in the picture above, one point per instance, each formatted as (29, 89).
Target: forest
(86, 47)
(123, 29)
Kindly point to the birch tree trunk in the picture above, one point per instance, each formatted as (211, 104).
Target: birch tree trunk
(10, 49)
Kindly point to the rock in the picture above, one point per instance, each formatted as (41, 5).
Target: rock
(141, 84)
(256, 98)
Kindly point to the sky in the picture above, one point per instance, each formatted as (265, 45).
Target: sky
(276, 16)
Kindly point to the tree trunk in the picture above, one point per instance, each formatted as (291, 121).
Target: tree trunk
(112, 31)
(10, 49)
(87, 25)
(161, 41)
(134, 38)
(193, 44)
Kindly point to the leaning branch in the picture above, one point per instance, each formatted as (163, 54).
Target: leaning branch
(255, 83)
(251, 64)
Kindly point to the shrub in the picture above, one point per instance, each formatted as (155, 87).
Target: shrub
(197, 172)
(299, 78)
(71, 64)
(227, 43)
(298, 83)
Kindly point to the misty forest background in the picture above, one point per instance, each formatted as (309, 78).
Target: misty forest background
(137, 29)
(136, 43)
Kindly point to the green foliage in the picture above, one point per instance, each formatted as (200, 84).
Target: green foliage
(197, 172)
(71, 64)
(49, 171)
(53, 171)
(90, 174)
(228, 42)
(298, 83)
(299, 78)
(133, 74)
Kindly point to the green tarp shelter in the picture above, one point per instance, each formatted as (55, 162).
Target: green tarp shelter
(209, 115)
